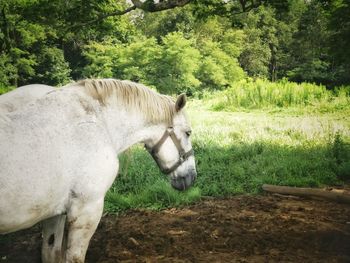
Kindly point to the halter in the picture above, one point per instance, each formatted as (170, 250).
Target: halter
(183, 155)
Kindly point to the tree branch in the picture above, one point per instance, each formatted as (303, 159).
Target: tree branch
(151, 6)
(103, 16)
(161, 5)
(147, 6)
(225, 8)
(253, 4)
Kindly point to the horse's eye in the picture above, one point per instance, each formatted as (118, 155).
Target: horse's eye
(188, 133)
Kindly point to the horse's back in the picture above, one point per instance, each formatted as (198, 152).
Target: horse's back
(21, 96)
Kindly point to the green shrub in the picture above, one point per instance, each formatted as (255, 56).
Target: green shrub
(257, 94)
(4, 89)
(341, 153)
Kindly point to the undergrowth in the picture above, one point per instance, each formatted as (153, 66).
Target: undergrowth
(263, 94)
(4, 89)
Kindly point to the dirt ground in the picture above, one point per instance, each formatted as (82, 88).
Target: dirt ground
(240, 229)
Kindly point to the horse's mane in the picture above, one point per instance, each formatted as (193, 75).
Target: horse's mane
(134, 96)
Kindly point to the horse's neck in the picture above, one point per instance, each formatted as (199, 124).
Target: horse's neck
(126, 129)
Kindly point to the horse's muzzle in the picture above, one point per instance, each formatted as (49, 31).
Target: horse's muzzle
(183, 182)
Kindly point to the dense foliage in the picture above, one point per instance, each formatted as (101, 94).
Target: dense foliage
(205, 45)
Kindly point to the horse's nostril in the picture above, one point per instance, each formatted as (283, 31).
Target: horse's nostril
(181, 183)
(194, 174)
(178, 184)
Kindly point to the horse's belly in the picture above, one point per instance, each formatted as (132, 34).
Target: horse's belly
(13, 220)
(23, 209)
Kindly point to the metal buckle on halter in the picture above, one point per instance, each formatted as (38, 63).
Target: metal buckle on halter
(181, 159)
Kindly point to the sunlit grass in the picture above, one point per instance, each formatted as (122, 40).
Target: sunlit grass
(237, 152)
(263, 94)
(155, 196)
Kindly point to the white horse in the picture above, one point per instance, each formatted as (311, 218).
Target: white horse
(59, 156)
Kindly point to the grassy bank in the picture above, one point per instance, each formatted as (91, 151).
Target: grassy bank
(236, 152)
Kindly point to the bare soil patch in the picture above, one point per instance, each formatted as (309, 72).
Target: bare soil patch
(239, 229)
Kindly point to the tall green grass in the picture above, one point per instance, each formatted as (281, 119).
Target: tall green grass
(238, 152)
(258, 94)
(141, 184)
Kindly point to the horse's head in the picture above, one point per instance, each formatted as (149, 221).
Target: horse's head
(173, 150)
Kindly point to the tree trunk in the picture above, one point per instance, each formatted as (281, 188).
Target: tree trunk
(333, 195)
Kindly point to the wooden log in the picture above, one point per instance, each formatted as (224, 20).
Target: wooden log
(337, 196)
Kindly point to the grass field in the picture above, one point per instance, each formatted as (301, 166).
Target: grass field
(237, 152)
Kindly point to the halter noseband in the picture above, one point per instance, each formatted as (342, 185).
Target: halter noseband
(183, 155)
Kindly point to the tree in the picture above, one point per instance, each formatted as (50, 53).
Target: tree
(160, 24)
(309, 47)
(207, 44)
(217, 70)
(99, 57)
(220, 48)
(40, 46)
(203, 8)
(51, 67)
(8, 71)
(339, 26)
(177, 67)
(258, 55)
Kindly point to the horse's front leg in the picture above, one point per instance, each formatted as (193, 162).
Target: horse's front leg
(54, 243)
(83, 218)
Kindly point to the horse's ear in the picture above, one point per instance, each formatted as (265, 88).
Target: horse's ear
(180, 102)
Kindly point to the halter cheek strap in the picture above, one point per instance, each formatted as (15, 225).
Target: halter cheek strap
(183, 155)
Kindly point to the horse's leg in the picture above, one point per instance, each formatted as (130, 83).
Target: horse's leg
(53, 248)
(83, 219)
